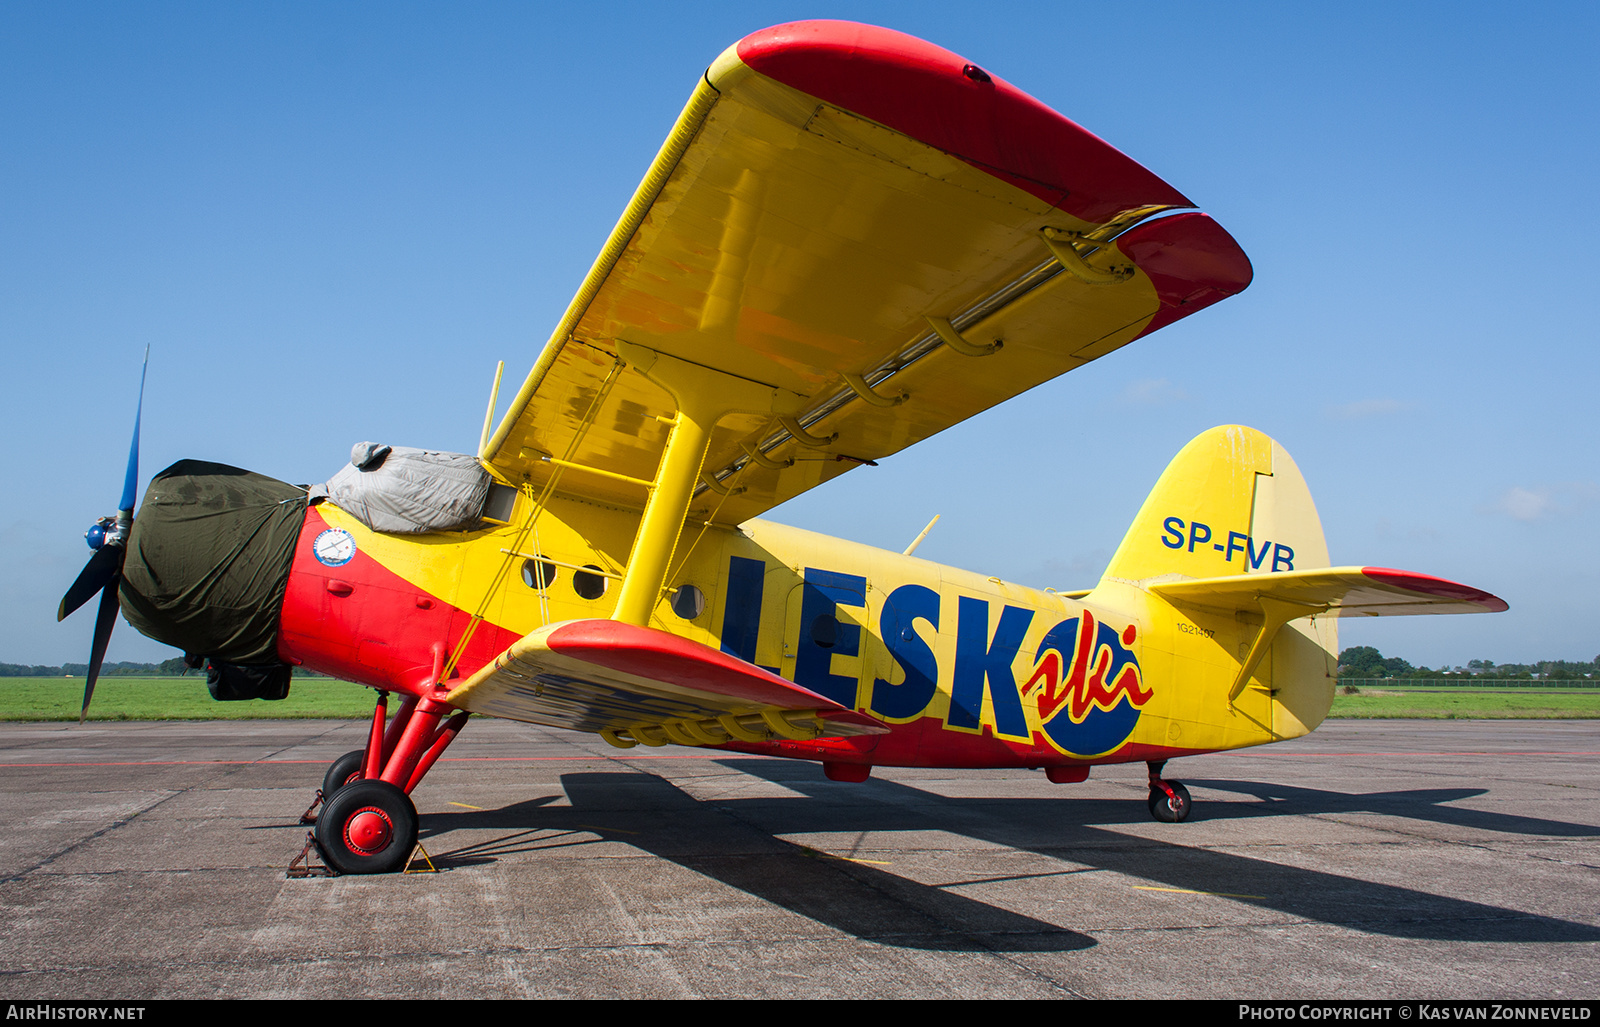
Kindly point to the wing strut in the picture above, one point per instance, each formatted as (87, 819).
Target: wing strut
(703, 396)
(1278, 613)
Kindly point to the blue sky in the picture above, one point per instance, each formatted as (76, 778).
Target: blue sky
(330, 220)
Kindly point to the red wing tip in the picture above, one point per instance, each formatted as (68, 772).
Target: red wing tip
(1429, 585)
(1192, 261)
(943, 100)
(836, 33)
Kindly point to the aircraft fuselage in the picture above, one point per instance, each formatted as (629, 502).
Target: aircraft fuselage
(966, 670)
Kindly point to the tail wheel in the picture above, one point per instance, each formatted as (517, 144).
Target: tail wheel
(345, 769)
(368, 827)
(1170, 809)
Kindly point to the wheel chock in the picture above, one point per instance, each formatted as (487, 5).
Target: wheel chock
(425, 858)
(310, 815)
(302, 865)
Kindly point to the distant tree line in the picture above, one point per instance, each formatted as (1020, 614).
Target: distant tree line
(166, 668)
(1363, 661)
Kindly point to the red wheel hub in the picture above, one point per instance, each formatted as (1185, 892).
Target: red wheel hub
(368, 831)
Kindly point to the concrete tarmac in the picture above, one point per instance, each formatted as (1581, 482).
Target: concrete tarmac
(1374, 859)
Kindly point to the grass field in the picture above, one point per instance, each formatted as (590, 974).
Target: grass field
(186, 698)
(1493, 704)
(166, 698)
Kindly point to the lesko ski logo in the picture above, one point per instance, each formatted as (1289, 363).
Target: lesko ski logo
(1091, 708)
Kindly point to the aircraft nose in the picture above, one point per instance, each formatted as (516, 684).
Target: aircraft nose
(208, 560)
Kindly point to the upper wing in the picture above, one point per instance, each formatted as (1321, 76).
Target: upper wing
(839, 213)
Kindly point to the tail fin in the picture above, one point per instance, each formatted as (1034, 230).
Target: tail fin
(1228, 551)
(1232, 505)
(1231, 502)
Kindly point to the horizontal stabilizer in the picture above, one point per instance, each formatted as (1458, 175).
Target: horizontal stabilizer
(1342, 591)
(632, 684)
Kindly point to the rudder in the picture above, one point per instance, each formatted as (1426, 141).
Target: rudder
(1231, 502)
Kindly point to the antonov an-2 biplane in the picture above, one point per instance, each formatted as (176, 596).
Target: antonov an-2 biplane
(851, 240)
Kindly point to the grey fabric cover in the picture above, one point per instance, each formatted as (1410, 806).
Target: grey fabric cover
(368, 455)
(408, 491)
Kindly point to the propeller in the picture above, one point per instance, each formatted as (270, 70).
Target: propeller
(108, 537)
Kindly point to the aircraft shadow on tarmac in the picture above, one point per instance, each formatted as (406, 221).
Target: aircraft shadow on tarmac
(1417, 804)
(854, 897)
(738, 842)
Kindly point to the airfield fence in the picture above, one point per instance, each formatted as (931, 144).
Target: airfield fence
(1474, 683)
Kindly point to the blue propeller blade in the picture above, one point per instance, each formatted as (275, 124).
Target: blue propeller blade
(104, 569)
(101, 570)
(130, 484)
(104, 621)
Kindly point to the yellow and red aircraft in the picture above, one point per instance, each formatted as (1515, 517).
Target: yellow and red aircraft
(851, 240)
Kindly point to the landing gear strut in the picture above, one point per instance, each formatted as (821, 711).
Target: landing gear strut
(368, 824)
(1169, 800)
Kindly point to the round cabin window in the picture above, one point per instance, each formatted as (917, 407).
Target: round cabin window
(538, 573)
(688, 601)
(589, 583)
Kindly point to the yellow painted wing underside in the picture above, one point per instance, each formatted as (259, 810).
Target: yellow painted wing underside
(792, 243)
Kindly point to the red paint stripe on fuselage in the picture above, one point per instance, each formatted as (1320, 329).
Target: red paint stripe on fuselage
(928, 743)
(378, 633)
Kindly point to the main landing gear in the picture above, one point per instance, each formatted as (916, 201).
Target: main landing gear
(367, 824)
(1169, 800)
(369, 827)
(345, 769)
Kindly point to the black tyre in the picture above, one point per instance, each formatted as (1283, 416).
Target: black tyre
(345, 769)
(368, 827)
(1171, 809)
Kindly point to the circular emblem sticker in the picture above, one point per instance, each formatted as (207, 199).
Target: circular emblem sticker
(1090, 687)
(334, 547)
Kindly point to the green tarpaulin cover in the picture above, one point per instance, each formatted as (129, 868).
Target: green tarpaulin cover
(208, 560)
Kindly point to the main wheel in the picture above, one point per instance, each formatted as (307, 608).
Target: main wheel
(368, 827)
(345, 769)
(1170, 809)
